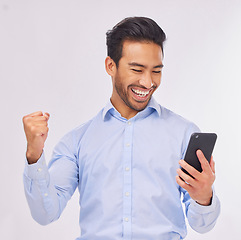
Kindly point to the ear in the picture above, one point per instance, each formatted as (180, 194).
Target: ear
(110, 66)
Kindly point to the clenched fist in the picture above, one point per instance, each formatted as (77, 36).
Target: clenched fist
(36, 131)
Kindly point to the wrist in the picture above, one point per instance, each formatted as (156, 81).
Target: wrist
(207, 202)
(33, 156)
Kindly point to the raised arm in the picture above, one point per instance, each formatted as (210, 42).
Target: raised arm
(47, 189)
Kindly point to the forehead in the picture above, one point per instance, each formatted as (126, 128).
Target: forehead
(144, 52)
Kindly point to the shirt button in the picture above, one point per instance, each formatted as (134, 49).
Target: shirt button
(127, 194)
(46, 194)
(128, 144)
(126, 219)
(127, 169)
(129, 123)
(39, 170)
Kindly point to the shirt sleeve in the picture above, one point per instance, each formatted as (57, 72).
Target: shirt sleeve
(201, 218)
(48, 188)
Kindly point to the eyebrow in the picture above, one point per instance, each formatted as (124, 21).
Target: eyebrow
(134, 64)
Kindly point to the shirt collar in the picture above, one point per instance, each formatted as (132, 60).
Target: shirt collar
(110, 109)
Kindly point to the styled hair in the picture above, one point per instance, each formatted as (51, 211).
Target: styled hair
(134, 29)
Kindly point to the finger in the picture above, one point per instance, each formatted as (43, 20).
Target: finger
(204, 162)
(38, 113)
(190, 169)
(29, 121)
(212, 164)
(187, 178)
(43, 118)
(38, 118)
(182, 184)
(32, 115)
(40, 123)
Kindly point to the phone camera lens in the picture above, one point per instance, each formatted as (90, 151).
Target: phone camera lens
(197, 136)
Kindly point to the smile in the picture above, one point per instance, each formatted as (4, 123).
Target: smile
(140, 93)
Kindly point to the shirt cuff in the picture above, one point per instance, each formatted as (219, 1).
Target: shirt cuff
(38, 170)
(194, 206)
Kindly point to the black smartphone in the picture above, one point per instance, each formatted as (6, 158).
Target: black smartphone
(203, 141)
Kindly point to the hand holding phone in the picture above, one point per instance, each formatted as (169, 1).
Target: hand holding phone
(203, 141)
(198, 185)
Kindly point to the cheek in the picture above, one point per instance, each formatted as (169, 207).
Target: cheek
(127, 79)
(157, 80)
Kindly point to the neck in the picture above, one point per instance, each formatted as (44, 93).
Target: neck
(122, 108)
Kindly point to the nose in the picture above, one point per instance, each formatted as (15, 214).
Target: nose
(146, 81)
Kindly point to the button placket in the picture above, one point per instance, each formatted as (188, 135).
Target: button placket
(127, 174)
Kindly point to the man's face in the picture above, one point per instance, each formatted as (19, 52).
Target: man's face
(137, 76)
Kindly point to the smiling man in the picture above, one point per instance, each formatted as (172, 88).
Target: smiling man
(126, 160)
(137, 76)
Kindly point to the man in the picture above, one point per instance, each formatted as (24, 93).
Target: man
(125, 160)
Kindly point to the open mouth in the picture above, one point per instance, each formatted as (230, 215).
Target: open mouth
(143, 94)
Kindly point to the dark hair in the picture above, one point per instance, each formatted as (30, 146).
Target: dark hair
(134, 29)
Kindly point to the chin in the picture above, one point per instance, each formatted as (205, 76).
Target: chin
(139, 106)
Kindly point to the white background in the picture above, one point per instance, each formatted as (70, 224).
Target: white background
(52, 59)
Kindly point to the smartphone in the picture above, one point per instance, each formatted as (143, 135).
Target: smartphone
(203, 141)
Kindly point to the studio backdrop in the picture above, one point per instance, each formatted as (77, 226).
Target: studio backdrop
(52, 56)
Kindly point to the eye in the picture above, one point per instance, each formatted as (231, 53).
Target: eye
(136, 70)
(156, 71)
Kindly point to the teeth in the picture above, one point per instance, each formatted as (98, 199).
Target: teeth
(140, 93)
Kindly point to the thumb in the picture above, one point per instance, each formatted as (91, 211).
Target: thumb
(47, 116)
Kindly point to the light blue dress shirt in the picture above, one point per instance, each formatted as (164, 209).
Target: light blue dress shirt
(125, 173)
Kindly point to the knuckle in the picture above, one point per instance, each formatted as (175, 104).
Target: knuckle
(25, 119)
(188, 179)
(192, 172)
(33, 128)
